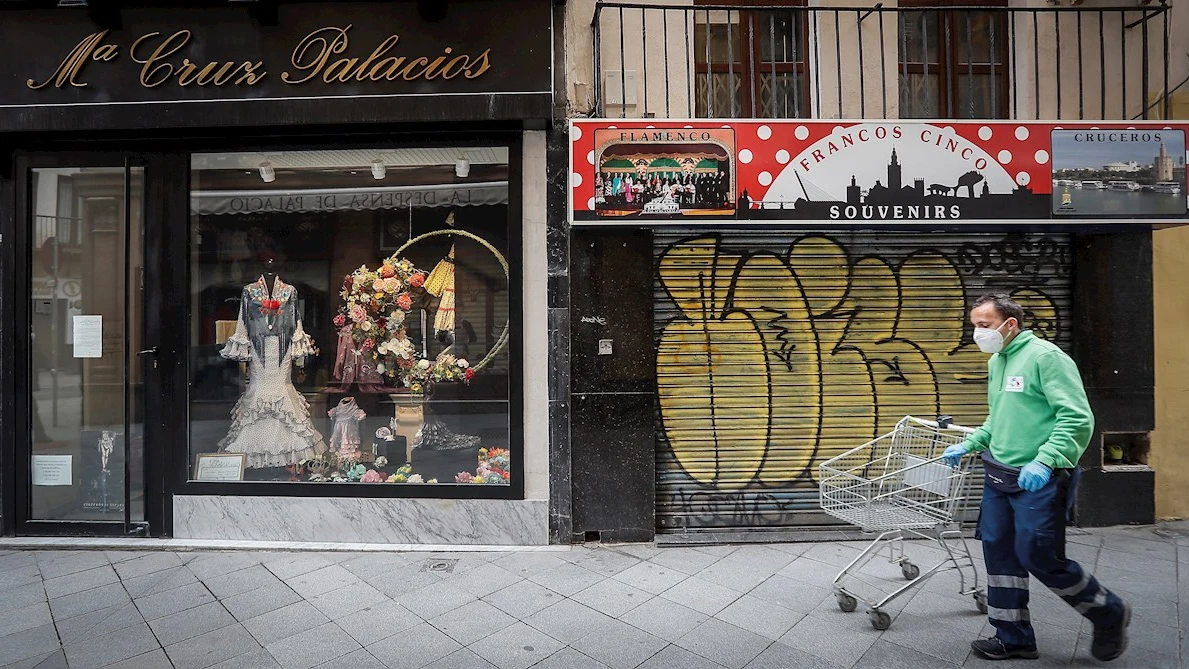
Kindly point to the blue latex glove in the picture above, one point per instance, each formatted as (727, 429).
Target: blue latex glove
(953, 454)
(1034, 476)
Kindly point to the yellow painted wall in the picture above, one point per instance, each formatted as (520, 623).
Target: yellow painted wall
(1170, 441)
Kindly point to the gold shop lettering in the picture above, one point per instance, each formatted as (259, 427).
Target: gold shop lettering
(319, 57)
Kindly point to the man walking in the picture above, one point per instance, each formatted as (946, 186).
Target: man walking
(1038, 425)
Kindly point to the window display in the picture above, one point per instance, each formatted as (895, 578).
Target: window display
(351, 315)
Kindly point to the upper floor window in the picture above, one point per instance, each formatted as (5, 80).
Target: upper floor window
(750, 63)
(953, 62)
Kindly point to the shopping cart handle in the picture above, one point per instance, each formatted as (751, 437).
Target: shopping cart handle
(944, 422)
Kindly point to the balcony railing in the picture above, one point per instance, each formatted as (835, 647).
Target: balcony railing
(790, 61)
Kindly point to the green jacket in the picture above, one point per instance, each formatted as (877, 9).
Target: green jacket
(1037, 406)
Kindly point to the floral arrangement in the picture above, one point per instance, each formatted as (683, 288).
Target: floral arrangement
(493, 468)
(375, 306)
(446, 368)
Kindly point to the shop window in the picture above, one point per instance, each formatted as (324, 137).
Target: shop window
(750, 63)
(953, 62)
(350, 317)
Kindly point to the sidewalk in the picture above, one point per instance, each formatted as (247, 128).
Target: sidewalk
(755, 606)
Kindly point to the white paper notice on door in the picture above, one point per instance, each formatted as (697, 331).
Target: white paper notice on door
(53, 470)
(88, 336)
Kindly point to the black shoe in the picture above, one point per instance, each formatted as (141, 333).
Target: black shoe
(1111, 640)
(996, 649)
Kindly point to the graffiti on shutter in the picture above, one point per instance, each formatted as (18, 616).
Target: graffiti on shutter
(776, 352)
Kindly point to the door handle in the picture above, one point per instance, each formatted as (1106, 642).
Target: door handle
(148, 351)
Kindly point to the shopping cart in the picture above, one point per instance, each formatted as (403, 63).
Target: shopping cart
(897, 484)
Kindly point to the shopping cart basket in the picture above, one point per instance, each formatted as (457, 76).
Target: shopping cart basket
(897, 484)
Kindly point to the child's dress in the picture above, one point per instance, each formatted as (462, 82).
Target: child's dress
(344, 438)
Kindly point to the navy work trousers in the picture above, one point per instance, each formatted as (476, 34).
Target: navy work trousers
(1024, 533)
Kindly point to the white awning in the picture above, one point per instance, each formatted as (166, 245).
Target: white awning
(209, 203)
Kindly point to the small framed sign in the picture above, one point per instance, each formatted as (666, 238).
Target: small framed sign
(220, 467)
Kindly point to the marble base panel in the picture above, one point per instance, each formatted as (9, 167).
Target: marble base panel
(368, 521)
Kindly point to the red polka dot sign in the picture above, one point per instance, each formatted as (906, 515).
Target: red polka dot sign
(631, 171)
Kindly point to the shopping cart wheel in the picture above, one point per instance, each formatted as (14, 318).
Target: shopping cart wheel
(846, 602)
(879, 620)
(980, 600)
(909, 570)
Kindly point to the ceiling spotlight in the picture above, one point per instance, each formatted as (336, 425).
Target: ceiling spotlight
(462, 168)
(267, 173)
(378, 170)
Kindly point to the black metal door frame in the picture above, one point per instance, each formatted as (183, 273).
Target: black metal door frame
(15, 343)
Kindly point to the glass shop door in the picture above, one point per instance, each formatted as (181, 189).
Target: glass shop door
(81, 368)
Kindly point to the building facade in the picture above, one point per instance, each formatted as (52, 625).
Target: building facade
(777, 291)
(275, 271)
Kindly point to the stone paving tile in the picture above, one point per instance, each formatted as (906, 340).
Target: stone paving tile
(887, 655)
(172, 601)
(317, 582)
(684, 560)
(147, 564)
(567, 621)
(13, 620)
(780, 656)
(672, 656)
(959, 612)
(619, 645)
(566, 579)
(374, 565)
(432, 601)
(464, 658)
(360, 659)
(37, 641)
(376, 623)
(210, 565)
(724, 643)
(568, 658)
(211, 648)
(522, 599)
(833, 553)
(472, 621)
(312, 648)
(154, 659)
(291, 565)
(257, 658)
(813, 572)
(98, 623)
(111, 648)
(650, 577)
(284, 622)
(842, 645)
(517, 647)
(791, 593)
(88, 600)
(612, 597)
(243, 580)
(702, 596)
(19, 576)
(54, 564)
(191, 623)
(55, 660)
(415, 647)
(664, 619)
(24, 595)
(735, 576)
(257, 602)
(525, 564)
(763, 618)
(159, 581)
(483, 579)
(607, 561)
(942, 641)
(80, 581)
(345, 601)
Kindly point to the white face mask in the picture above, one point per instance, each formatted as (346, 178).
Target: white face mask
(989, 340)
